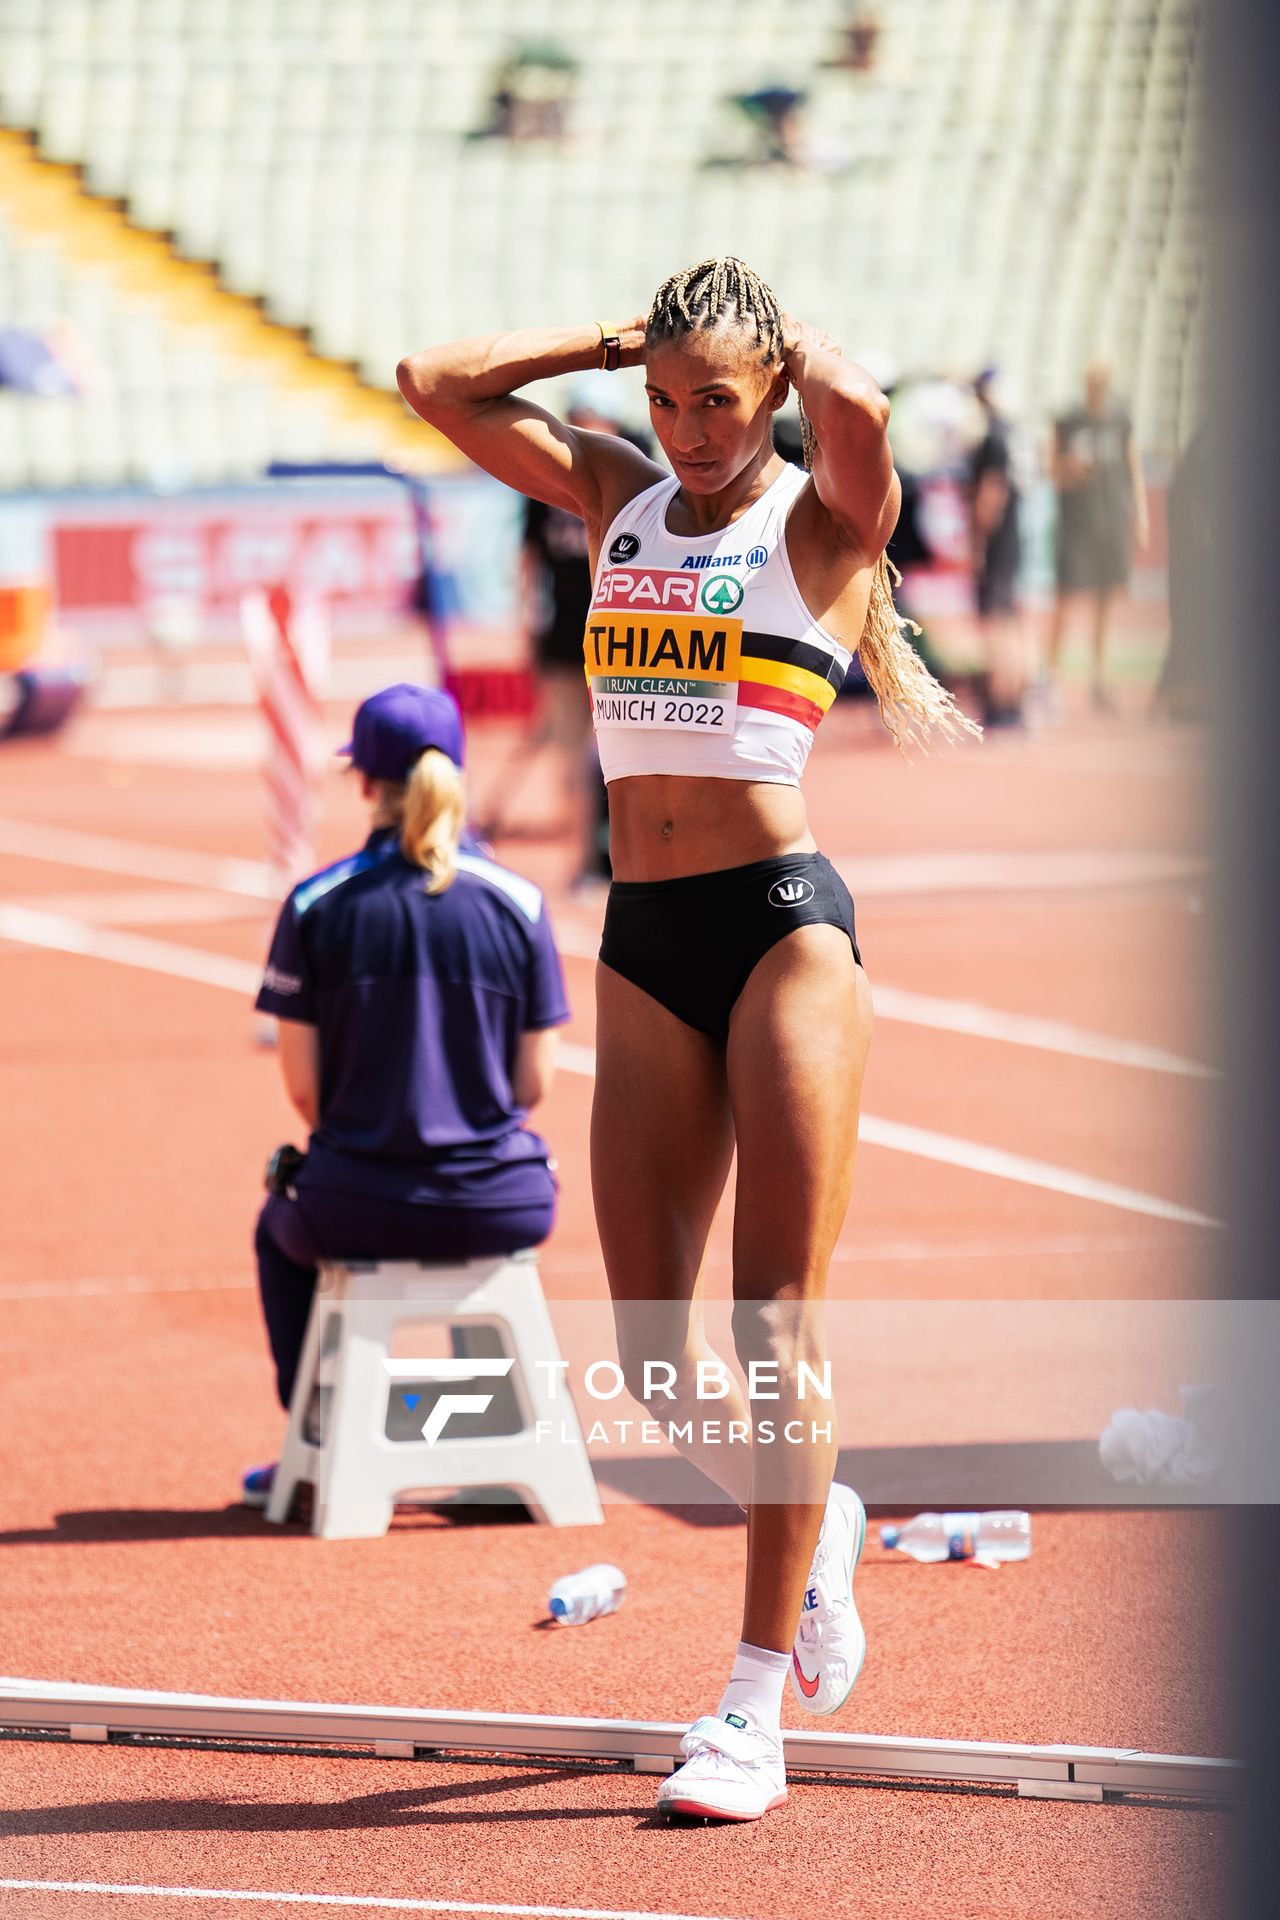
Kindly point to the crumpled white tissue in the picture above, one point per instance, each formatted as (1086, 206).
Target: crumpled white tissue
(1142, 1448)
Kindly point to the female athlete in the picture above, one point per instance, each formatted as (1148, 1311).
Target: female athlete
(732, 1007)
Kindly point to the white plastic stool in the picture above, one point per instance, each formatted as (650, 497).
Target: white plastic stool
(356, 1471)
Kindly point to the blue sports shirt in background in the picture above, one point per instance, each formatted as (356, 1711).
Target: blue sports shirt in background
(420, 1001)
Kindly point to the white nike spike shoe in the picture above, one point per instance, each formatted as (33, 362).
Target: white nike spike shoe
(733, 1772)
(830, 1643)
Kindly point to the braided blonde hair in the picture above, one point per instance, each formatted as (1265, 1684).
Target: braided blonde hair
(725, 289)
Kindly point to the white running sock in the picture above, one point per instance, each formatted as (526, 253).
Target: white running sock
(754, 1692)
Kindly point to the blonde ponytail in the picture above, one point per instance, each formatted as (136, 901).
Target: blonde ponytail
(428, 808)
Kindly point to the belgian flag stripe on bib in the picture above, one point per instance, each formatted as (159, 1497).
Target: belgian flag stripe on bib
(775, 673)
(790, 677)
(792, 706)
(792, 653)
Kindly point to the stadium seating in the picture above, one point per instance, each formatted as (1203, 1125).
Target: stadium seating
(1013, 180)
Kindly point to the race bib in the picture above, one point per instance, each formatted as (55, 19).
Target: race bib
(662, 651)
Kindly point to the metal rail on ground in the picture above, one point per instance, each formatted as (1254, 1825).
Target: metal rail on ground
(88, 1713)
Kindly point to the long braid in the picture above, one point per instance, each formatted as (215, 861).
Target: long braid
(724, 289)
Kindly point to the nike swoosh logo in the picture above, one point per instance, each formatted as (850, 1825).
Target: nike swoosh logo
(807, 1687)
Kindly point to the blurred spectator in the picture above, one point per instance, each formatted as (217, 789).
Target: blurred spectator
(859, 38)
(934, 426)
(557, 589)
(997, 558)
(1183, 689)
(1102, 513)
(774, 116)
(532, 93)
(775, 129)
(908, 548)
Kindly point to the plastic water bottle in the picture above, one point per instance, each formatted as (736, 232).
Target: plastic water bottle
(586, 1595)
(1005, 1535)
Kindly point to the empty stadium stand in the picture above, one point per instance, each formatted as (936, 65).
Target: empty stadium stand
(1014, 181)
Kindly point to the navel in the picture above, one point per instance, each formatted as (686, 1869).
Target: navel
(668, 828)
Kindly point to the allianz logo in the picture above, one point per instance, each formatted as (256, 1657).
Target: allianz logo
(699, 562)
(792, 891)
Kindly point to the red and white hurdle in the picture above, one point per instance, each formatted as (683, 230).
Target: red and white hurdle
(288, 648)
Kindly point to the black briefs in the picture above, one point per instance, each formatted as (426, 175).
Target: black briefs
(691, 943)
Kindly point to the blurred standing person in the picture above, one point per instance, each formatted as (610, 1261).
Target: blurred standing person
(1102, 514)
(556, 578)
(1183, 689)
(996, 537)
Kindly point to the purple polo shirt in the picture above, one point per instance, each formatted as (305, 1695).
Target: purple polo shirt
(420, 1000)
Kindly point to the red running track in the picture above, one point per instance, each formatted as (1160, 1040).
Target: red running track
(1056, 878)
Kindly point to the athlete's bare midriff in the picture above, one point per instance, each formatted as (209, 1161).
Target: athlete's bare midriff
(663, 826)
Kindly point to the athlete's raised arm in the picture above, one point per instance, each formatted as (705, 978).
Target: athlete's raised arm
(467, 390)
(852, 465)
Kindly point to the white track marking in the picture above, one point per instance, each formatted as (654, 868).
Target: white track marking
(381, 1902)
(983, 1023)
(873, 877)
(575, 1058)
(33, 929)
(228, 683)
(150, 906)
(208, 742)
(878, 875)
(99, 853)
(1025, 1030)
(126, 1284)
(240, 976)
(254, 879)
(1012, 1166)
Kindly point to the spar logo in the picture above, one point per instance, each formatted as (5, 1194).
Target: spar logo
(793, 891)
(722, 593)
(433, 1425)
(652, 587)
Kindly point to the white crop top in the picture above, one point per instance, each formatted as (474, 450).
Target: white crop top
(700, 654)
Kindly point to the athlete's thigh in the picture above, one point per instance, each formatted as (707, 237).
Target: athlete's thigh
(661, 1141)
(798, 1045)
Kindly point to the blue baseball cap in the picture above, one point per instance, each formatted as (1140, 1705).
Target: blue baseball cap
(392, 728)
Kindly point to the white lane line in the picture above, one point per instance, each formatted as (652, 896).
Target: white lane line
(1013, 1166)
(1025, 1030)
(33, 929)
(382, 1902)
(883, 876)
(254, 879)
(127, 1284)
(877, 875)
(154, 906)
(240, 976)
(98, 852)
(965, 1016)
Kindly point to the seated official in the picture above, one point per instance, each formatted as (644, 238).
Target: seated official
(417, 987)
